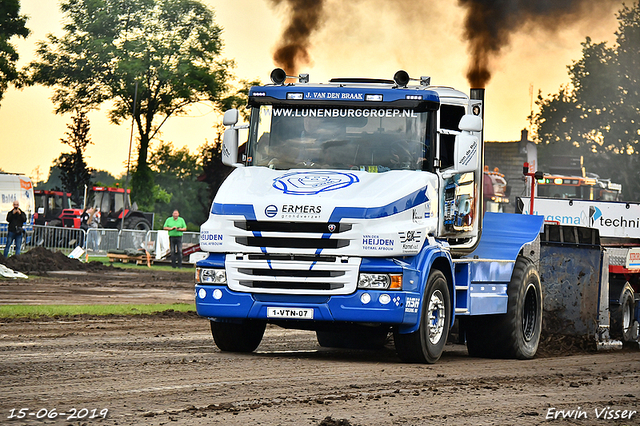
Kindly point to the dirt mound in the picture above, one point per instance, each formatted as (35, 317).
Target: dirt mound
(39, 259)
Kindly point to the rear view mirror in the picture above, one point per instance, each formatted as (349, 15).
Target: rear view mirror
(467, 147)
(230, 139)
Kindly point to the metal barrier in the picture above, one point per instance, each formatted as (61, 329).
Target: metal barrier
(56, 238)
(95, 242)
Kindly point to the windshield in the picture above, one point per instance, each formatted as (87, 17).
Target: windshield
(373, 140)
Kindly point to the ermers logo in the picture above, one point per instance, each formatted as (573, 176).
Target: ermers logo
(271, 211)
(311, 183)
(287, 208)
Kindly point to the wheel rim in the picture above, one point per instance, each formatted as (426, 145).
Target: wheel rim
(530, 313)
(436, 313)
(626, 316)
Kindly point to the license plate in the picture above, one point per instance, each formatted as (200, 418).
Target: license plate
(297, 313)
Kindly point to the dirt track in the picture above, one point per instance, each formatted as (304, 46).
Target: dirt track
(165, 369)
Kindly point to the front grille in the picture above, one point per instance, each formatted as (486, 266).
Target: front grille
(297, 243)
(292, 274)
(312, 228)
(292, 285)
(292, 257)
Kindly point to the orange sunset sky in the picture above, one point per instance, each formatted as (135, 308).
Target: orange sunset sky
(367, 38)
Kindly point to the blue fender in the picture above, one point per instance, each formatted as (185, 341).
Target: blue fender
(431, 256)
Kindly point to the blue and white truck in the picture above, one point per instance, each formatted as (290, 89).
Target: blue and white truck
(355, 210)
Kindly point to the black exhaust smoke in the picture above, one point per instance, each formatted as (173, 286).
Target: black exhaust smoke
(305, 17)
(489, 25)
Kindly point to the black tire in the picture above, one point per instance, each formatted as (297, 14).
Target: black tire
(137, 222)
(515, 334)
(622, 316)
(425, 345)
(238, 337)
(368, 338)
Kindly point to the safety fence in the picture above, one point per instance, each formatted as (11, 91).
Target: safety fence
(98, 242)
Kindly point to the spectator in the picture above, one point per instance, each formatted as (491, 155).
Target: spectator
(16, 219)
(176, 226)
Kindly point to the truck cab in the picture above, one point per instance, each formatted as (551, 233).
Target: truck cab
(355, 211)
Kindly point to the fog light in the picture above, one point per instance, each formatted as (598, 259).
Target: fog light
(217, 294)
(384, 299)
(365, 298)
(202, 293)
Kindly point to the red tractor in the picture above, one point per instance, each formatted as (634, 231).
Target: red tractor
(50, 206)
(54, 208)
(114, 208)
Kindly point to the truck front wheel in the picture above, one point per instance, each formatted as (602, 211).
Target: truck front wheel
(425, 345)
(244, 336)
(515, 334)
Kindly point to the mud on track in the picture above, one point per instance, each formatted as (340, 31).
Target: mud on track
(164, 369)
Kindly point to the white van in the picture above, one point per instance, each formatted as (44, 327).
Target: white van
(16, 187)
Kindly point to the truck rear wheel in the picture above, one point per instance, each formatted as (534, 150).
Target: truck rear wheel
(515, 334)
(622, 316)
(238, 337)
(425, 345)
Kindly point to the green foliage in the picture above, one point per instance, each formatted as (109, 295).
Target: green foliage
(176, 171)
(162, 53)
(213, 171)
(597, 114)
(75, 174)
(103, 178)
(11, 24)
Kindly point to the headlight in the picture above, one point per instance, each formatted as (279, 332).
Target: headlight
(210, 276)
(380, 281)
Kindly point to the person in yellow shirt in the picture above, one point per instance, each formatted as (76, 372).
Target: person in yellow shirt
(176, 226)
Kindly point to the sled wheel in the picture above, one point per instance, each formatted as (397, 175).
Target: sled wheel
(238, 337)
(622, 316)
(515, 334)
(425, 345)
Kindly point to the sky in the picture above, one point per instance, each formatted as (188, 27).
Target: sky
(365, 38)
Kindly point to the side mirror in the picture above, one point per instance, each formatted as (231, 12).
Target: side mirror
(466, 153)
(230, 139)
(470, 123)
(230, 117)
(467, 147)
(230, 147)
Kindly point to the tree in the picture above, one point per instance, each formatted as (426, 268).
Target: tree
(11, 24)
(176, 172)
(162, 53)
(596, 115)
(75, 174)
(213, 171)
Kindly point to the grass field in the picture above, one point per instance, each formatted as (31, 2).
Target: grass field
(35, 311)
